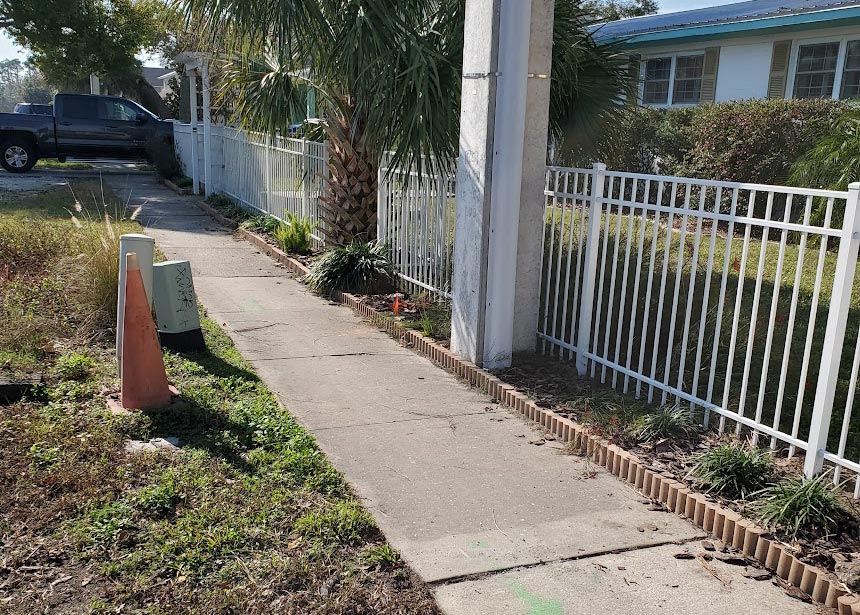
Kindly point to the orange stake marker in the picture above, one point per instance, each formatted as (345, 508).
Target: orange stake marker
(396, 308)
(144, 381)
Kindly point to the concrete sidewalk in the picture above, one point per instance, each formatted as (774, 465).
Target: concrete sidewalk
(494, 523)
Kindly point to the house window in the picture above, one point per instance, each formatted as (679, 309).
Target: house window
(674, 80)
(816, 70)
(851, 74)
(688, 79)
(658, 72)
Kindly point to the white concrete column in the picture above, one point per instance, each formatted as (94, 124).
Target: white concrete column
(208, 179)
(195, 172)
(503, 136)
(95, 84)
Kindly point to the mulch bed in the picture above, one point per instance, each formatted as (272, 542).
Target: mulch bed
(555, 384)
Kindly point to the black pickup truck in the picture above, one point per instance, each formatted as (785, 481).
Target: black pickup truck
(82, 126)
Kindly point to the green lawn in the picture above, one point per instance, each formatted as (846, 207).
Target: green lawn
(700, 316)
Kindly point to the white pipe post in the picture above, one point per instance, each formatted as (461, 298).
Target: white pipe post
(95, 84)
(144, 247)
(834, 335)
(195, 173)
(208, 179)
(589, 273)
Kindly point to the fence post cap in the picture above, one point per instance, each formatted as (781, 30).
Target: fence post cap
(854, 186)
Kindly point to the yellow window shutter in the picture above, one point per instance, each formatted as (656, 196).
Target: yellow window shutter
(634, 64)
(709, 74)
(779, 69)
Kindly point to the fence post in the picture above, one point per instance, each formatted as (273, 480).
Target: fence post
(834, 336)
(589, 273)
(306, 177)
(267, 146)
(381, 207)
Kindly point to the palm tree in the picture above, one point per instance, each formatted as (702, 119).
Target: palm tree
(388, 75)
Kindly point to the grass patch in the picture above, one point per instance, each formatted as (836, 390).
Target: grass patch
(801, 506)
(247, 516)
(733, 470)
(358, 267)
(51, 163)
(672, 422)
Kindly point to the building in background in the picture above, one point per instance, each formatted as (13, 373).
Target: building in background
(754, 49)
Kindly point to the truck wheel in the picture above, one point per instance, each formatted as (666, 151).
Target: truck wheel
(17, 156)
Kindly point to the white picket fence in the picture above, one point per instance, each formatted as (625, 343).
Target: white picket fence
(733, 299)
(416, 220)
(269, 175)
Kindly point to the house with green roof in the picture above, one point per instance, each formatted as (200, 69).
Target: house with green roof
(753, 49)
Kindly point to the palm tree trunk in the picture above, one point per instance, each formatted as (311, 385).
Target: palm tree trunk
(349, 202)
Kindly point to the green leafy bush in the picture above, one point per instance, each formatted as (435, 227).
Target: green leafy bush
(294, 235)
(359, 267)
(162, 155)
(834, 162)
(755, 140)
(733, 470)
(75, 366)
(802, 505)
(667, 422)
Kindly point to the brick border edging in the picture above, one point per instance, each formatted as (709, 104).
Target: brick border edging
(721, 523)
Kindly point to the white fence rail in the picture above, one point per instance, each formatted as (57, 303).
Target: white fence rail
(733, 299)
(416, 219)
(273, 176)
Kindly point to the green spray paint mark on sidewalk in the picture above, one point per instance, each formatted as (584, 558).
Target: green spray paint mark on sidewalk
(534, 604)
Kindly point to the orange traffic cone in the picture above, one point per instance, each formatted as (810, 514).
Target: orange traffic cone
(144, 381)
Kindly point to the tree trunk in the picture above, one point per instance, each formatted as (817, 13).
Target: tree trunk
(349, 202)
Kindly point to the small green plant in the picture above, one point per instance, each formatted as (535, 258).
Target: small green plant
(733, 470)
(262, 224)
(294, 235)
(44, 457)
(160, 498)
(230, 208)
(75, 366)
(435, 321)
(800, 506)
(360, 267)
(380, 556)
(667, 422)
(344, 523)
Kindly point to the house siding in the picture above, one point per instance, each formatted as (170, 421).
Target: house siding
(744, 64)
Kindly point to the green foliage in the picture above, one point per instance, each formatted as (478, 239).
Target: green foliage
(612, 10)
(75, 366)
(161, 497)
(380, 556)
(801, 506)
(733, 470)
(435, 320)
(667, 422)
(360, 267)
(162, 155)
(834, 162)
(756, 140)
(294, 235)
(69, 41)
(262, 224)
(345, 523)
(230, 208)
(748, 141)
(20, 82)
(44, 457)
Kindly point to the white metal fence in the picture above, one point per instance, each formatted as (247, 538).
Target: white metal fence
(270, 175)
(416, 219)
(734, 299)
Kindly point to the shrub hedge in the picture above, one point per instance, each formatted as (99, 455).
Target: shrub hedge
(749, 141)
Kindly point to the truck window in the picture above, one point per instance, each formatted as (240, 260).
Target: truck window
(117, 111)
(80, 107)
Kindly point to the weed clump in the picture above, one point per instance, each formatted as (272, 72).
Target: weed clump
(733, 470)
(75, 366)
(800, 506)
(345, 523)
(667, 422)
(358, 267)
